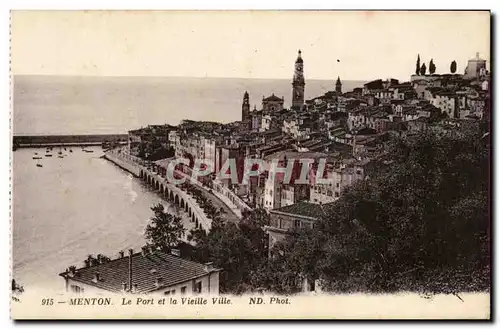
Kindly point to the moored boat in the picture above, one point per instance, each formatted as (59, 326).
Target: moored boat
(39, 165)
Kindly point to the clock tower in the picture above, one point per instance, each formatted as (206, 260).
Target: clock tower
(298, 83)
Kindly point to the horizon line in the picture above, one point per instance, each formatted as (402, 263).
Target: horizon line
(175, 76)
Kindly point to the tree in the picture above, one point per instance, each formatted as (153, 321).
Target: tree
(239, 249)
(423, 69)
(421, 224)
(164, 230)
(417, 68)
(453, 67)
(432, 67)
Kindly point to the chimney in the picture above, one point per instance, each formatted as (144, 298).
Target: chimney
(144, 251)
(72, 271)
(134, 288)
(130, 253)
(158, 281)
(151, 249)
(209, 267)
(87, 263)
(122, 254)
(97, 277)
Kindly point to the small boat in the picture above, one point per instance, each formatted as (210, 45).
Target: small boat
(48, 155)
(70, 151)
(59, 152)
(37, 158)
(39, 165)
(36, 153)
(60, 156)
(65, 149)
(89, 151)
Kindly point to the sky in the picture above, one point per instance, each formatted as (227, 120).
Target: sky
(244, 44)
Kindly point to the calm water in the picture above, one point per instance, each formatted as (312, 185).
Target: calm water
(91, 105)
(71, 207)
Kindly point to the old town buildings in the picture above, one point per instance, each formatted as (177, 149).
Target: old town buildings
(342, 133)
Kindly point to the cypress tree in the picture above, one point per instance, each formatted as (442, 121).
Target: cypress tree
(417, 68)
(423, 69)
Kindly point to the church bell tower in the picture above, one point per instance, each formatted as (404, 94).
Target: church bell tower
(298, 84)
(245, 108)
(338, 86)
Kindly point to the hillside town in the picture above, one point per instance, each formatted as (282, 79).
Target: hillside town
(349, 130)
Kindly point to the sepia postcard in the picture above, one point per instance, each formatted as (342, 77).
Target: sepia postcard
(250, 164)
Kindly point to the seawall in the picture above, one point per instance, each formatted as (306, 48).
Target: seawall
(134, 170)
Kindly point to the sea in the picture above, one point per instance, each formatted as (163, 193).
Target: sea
(109, 105)
(82, 204)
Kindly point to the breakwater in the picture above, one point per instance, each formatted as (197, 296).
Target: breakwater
(68, 140)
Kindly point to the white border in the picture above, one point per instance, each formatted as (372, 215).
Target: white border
(185, 4)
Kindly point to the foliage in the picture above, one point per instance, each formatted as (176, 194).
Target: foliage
(421, 224)
(164, 230)
(423, 69)
(453, 67)
(208, 208)
(154, 150)
(239, 249)
(432, 67)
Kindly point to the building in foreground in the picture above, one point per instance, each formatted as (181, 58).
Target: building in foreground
(144, 272)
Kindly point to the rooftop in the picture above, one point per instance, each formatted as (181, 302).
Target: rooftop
(146, 270)
(272, 98)
(307, 209)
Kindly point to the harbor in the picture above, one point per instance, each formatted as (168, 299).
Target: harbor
(60, 217)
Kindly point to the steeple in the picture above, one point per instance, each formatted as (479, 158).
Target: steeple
(299, 57)
(298, 83)
(245, 107)
(338, 85)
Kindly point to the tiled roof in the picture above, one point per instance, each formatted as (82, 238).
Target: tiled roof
(145, 271)
(305, 209)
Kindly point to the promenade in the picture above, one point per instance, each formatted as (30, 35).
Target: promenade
(167, 190)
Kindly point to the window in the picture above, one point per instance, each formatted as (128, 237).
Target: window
(167, 292)
(173, 292)
(76, 289)
(183, 290)
(336, 194)
(197, 288)
(296, 223)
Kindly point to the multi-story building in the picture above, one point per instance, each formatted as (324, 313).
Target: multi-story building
(338, 176)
